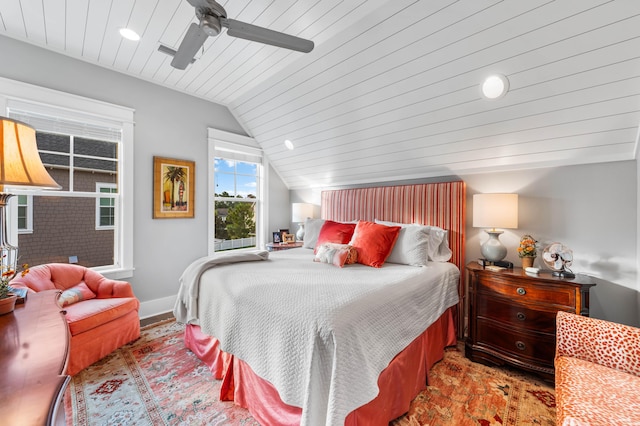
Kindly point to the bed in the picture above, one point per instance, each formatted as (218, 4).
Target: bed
(303, 342)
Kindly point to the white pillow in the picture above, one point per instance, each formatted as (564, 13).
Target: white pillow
(437, 244)
(412, 245)
(311, 231)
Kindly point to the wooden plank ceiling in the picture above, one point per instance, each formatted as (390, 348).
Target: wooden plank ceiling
(391, 90)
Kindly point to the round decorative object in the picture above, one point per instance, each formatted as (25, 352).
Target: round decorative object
(7, 304)
(558, 258)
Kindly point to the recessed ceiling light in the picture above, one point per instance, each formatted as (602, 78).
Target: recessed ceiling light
(288, 144)
(495, 86)
(129, 34)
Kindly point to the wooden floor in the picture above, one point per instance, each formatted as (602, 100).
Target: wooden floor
(155, 318)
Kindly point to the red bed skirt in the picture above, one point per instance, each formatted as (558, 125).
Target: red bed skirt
(399, 383)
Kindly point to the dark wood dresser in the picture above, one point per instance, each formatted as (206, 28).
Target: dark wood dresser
(34, 352)
(512, 315)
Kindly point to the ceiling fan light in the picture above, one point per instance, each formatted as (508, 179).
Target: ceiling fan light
(129, 34)
(210, 25)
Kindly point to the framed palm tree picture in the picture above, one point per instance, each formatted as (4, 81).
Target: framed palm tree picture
(173, 188)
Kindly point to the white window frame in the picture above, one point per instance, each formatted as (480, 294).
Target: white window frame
(81, 109)
(29, 205)
(224, 144)
(113, 196)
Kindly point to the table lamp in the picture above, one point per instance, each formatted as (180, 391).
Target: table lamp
(299, 213)
(20, 166)
(495, 211)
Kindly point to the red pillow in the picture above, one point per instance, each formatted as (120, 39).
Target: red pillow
(335, 232)
(374, 242)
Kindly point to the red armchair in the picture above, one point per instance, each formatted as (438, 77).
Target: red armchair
(102, 313)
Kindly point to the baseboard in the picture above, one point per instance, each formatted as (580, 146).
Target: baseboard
(155, 307)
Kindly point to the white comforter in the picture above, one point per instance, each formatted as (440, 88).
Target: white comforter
(321, 334)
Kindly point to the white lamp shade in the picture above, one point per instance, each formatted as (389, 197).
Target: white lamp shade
(495, 210)
(301, 211)
(20, 163)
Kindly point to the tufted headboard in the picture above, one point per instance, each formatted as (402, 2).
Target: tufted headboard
(438, 204)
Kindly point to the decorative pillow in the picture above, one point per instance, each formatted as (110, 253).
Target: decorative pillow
(335, 232)
(76, 294)
(374, 242)
(412, 245)
(437, 242)
(311, 231)
(439, 250)
(336, 254)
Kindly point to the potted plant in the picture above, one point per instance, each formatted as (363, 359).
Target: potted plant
(527, 250)
(8, 299)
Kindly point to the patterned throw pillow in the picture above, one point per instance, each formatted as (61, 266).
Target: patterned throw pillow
(336, 254)
(76, 294)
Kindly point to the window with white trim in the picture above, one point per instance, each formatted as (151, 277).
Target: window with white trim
(25, 214)
(106, 206)
(82, 143)
(236, 188)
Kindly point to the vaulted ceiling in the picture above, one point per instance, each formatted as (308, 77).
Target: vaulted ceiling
(392, 88)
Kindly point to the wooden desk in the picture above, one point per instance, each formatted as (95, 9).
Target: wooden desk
(34, 349)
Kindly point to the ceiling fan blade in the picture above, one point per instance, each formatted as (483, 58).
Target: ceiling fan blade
(263, 35)
(193, 40)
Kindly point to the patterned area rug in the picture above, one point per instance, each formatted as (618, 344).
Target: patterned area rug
(157, 381)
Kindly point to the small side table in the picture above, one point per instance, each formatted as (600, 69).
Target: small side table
(281, 246)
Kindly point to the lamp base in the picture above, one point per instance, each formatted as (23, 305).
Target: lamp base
(300, 232)
(492, 249)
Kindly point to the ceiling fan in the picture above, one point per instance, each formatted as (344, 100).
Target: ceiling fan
(212, 18)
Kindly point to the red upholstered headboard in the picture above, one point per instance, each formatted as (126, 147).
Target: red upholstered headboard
(438, 204)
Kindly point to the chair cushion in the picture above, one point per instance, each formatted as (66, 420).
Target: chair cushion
(588, 393)
(88, 314)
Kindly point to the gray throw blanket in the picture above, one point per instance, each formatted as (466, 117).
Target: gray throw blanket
(186, 307)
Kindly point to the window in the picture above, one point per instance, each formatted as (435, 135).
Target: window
(236, 185)
(83, 144)
(105, 206)
(25, 214)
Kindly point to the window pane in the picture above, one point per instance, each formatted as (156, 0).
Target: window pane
(22, 217)
(225, 185)
(82, 146)
(63, 227)
(235, 225)
(247, 168)
(246, 186)
(53, 142)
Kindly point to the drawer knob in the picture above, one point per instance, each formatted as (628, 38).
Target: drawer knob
(521, 291)
(521, 316)
(520, 345)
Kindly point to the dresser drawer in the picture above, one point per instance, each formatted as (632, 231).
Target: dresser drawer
(528, 292)
(533, 346)
(518, 316)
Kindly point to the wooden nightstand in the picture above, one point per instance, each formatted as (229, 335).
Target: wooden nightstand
(512, 316)
(281, 246)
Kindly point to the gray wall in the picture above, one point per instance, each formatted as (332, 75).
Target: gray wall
(167, 123)
(590, 208)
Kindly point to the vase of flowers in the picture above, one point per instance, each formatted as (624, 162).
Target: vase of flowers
(527, 250)
(8, 299)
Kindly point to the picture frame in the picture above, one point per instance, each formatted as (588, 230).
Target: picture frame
(277, 237)
(174, 185)
(288, 238)
(282, 232)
